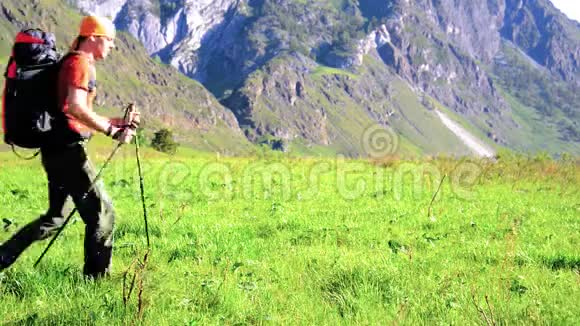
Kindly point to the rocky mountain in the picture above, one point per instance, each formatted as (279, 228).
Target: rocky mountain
(318, 76)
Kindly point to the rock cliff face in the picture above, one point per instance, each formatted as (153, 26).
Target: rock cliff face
(471, 25)
(431, 60)
(173, 30)
(258, 56)
(477, 27)
(545, 35)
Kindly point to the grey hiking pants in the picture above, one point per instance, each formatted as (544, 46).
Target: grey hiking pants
(70, 174)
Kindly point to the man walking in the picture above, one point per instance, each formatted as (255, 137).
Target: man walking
(68, 168)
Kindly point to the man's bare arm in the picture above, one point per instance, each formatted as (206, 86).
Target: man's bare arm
(77, 107)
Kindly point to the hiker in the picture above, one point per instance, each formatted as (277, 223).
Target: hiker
(68, 168)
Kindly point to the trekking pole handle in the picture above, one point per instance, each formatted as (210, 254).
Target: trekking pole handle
(126, 136)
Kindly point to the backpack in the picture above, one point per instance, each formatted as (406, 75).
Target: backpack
(30, 113)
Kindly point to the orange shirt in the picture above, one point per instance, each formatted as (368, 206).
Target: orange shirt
(77, 72)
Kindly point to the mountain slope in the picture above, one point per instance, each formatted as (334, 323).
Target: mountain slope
(314, 76)
(292, 98)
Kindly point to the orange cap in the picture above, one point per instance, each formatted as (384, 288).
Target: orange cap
(97, 26)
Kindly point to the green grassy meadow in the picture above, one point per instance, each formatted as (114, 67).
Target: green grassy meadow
(278, 240)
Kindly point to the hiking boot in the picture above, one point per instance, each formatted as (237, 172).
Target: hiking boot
(6, 259)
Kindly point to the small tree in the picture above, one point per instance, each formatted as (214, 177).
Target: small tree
(163, 141)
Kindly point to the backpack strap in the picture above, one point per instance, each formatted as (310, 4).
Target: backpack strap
(24, 157)
(7, 73)
(70, 54)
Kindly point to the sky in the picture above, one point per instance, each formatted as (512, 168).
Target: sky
(570, 7)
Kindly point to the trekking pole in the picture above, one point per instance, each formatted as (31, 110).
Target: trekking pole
(75, 209)
(130, 108)
(142, 188)
(126, 116)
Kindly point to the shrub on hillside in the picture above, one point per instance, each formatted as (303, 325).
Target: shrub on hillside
(163, 141)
